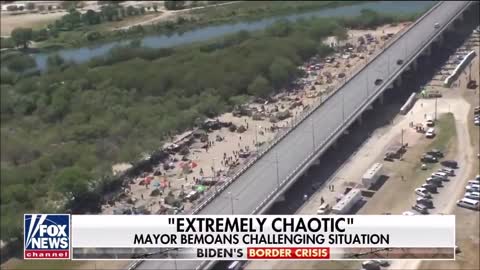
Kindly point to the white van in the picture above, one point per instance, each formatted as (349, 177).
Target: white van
(430, 133)
(441, 174)
(468, 203)
(324, 209)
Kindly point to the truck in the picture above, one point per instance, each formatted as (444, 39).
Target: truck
(372, 175)
(347, 202)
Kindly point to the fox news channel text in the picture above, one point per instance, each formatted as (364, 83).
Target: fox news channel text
(263, 237)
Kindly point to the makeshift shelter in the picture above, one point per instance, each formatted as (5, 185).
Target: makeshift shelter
(201, 188)
(155, 192)
(241, 129)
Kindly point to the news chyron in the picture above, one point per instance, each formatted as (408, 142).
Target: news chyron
(46, 236)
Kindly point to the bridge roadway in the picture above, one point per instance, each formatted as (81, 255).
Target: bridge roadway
(260, 181)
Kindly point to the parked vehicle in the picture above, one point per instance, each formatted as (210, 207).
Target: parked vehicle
(450, 164)
(450, 172)
(432, 188)
(423, 192)
(422, 209)
(434, 181)
(473, 182)
(382, 263)
(323, 209)
(436, 25)
(372, 175)
(469, 203)
(471, 188)
(427, 202)
(430, 133)
(440, 174)
(370, 265)
(430, 122)
(428, 158)
(436, 153)
(475, 195)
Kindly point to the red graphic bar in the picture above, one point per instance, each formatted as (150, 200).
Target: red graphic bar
(288, 253)
(46, 254)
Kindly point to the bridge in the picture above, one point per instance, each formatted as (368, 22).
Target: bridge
(256, 188)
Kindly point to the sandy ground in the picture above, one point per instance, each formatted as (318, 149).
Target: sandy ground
(9, 21)
(396, 196)
(170, 14)
(34, 20)
(257, 130)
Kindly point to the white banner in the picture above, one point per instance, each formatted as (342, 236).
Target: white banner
(242, 231)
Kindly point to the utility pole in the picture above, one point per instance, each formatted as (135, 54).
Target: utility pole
(313, 134)
(278, 173)
(367, 82)
(436, 101)
(231, 200)
(402, 137)
(256, 137)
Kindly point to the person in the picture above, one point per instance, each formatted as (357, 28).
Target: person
(305, 197)
(321, 200)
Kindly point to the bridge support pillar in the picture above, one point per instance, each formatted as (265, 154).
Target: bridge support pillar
(440, 40)
(334, 145)
(359, 119)
(280, 198)
(427, 51)
(380, 99)
(415, 65)
(397, 82)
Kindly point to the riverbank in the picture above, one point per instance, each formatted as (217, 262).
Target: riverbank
(188, 20)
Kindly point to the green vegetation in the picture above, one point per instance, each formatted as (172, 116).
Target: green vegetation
(61, 131)
(446, 130)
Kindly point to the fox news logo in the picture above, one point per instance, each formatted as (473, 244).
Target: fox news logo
(46, 236)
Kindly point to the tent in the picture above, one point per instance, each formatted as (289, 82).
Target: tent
(201, 188)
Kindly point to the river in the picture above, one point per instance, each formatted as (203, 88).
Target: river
(82, 54)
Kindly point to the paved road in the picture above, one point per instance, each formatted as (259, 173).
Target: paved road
(251, 188)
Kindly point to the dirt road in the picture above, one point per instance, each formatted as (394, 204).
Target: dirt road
(169, 14)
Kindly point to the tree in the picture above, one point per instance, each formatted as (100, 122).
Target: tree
(131, 11)
(73, 182)
(259, 87)
(109, 11)
(12, 8)
(55, 61)
(20, 63)
(90, 17)
(22, 36)
(174, 5)
(280, 71)
(6, 43)
(40, 35)
(30, 6)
